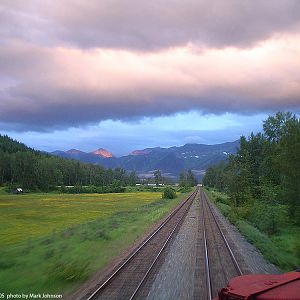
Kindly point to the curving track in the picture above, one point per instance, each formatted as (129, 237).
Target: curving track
(128, 280)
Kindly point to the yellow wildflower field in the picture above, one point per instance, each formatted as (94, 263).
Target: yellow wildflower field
(31, 216)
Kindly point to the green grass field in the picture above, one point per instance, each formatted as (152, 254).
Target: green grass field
(53, 242)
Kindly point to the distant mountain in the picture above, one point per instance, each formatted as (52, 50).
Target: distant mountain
(144, 151)
(171, 161)
(102, 152)
(92, 157)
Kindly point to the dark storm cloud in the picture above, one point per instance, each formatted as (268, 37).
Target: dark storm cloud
(71, 63)
(54, 88)
(41, 114)
(147, 25)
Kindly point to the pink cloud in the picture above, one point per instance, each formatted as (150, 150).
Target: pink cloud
(100, 84)
(68, 63)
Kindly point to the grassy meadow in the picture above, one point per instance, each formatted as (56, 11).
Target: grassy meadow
(281, 248)
(53, 242)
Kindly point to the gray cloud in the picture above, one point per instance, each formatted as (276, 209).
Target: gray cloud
(46, 89)
(41, 114)
(56, 70)
(148, 25)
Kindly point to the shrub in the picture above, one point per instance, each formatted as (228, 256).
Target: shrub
(243, 211)
(169, 193)
(225, 209)
(185, 189)
(266, 217)
(223, 199)
(233, 216)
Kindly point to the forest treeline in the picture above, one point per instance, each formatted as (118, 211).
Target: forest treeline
(264, 173)
(35, 170)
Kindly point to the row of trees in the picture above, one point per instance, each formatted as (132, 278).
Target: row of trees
(31, 169)
(266, 167)
(20, 165)
(187, 179)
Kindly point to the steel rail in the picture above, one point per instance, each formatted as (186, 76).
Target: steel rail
(161, 251)
(208, 278)
(224, 238)
(143, 244)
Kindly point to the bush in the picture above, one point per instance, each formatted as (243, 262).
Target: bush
(185, 189)
(224, 208)
(266, 217)
(228, 212)
(223, 199)
(169, 193)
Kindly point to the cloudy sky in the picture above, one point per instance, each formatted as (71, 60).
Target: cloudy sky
(132, 74)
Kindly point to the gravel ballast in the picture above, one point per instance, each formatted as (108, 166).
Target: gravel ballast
(176, 277)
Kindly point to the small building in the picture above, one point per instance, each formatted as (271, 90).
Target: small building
(18, 191)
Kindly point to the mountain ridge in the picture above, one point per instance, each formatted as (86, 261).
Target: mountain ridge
(171, 161)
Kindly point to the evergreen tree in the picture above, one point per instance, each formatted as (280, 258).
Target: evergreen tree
(266, 166)
(157, 177)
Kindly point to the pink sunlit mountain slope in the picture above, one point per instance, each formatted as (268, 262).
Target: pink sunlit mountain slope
(102, 152)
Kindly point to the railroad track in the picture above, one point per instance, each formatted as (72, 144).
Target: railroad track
(219, 260)
(129, 279)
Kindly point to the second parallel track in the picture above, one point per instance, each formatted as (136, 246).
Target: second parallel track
(129, 278)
